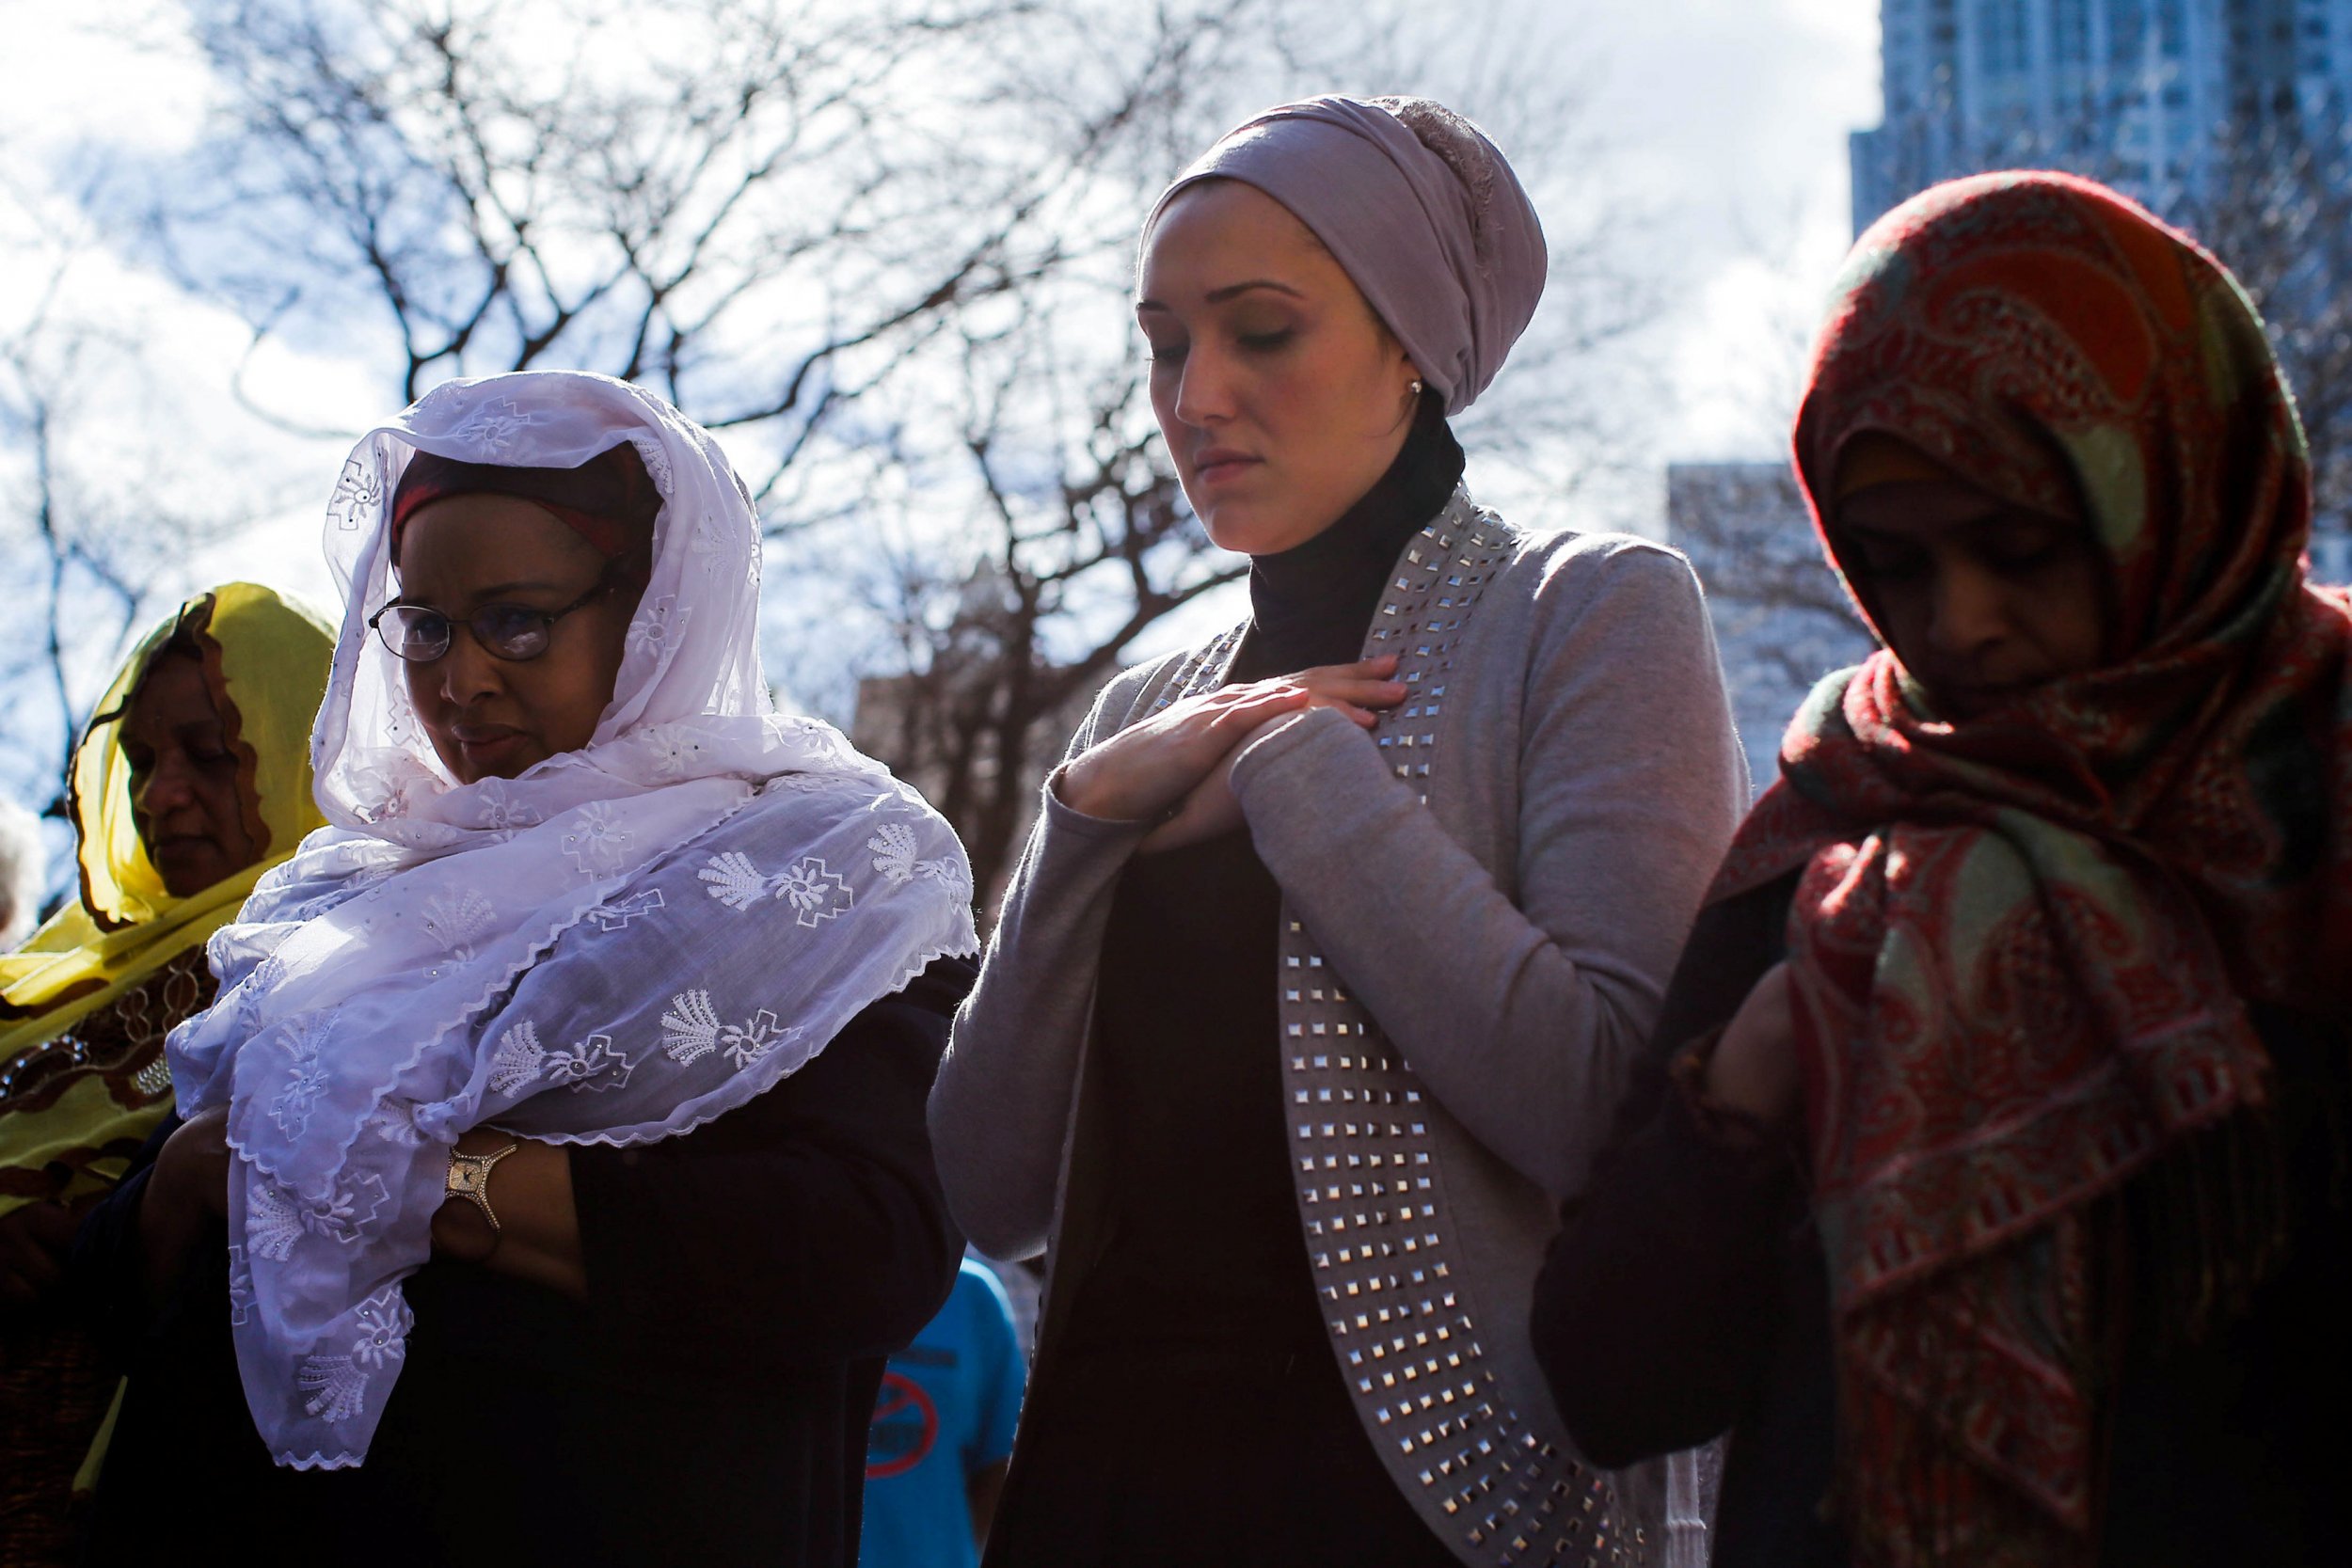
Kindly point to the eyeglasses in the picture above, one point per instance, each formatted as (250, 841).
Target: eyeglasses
(515, 632)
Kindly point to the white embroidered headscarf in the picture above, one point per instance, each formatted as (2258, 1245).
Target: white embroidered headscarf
(620, 945)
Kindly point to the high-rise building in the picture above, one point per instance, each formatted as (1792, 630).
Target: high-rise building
(2143, 94)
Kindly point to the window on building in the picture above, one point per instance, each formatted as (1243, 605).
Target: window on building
(2070, 31)
(2172, 24)
(2127, 27)
(2001, 36)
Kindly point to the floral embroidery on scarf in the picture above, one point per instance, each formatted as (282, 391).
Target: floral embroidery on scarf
(359, 493)
(747, 1043)
(275, 1219)
(896, 858)
(674, 755)
(658, 626)
(272, 1223)
(395, 1122)
(692, 1029)
(598, 846)
(458, 920)
(616, 915)
(814, 891)
(592, 1064)
(500, 810)
(240, 1286)
(343, 1217)
(305, 1040)
(496, 428)
(516, 1062)
(337, 1385)
(657, 461)
(735, 882)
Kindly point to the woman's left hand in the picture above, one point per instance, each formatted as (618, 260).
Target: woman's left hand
(1358, 691)
(530, 1191)
(1755, 1069)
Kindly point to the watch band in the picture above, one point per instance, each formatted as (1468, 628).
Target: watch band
(469, 1179)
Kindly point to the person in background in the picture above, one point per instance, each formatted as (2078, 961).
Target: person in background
(943, 1432)
(1335, 938)
(192, 779)
(1989, 1181)
(22, 860)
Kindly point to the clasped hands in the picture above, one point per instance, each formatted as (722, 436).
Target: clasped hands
(1176, 766)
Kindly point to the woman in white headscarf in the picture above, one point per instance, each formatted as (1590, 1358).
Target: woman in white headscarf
(563, 1096)
(1321, 972)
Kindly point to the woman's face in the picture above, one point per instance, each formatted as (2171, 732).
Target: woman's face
(491, 717)
(1982, 599)
(1281, 396)
(184, 797)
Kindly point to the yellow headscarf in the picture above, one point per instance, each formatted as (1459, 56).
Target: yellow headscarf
(265, 661)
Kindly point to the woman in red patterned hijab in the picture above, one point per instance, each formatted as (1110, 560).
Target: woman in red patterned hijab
(2064, 861)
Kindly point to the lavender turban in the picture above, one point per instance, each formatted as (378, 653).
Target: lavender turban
(1420, 209)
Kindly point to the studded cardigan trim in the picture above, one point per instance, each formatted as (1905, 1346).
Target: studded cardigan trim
(1499, 1484)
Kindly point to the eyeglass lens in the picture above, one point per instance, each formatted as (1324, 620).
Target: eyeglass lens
(420, 635)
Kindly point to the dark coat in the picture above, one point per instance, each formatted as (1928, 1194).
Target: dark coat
(707, 1403)
(1687, 1297)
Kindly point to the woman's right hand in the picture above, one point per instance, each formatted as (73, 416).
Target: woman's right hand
(1146, 771)
(187, 1193)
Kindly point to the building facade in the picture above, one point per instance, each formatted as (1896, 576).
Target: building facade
(2142, 94)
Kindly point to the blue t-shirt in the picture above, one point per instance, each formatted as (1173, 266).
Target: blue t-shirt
(946, 1410)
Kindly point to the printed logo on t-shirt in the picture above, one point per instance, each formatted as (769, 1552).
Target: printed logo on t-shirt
(906, 1428)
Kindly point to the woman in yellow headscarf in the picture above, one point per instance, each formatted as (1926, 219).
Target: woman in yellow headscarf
(191, 779)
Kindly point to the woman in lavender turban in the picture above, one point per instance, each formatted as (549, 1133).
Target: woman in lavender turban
(1324, 966)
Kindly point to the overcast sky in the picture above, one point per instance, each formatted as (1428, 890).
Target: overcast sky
(1728, 116)
(1735, 114)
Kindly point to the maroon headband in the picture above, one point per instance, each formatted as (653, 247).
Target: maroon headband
(610, 500)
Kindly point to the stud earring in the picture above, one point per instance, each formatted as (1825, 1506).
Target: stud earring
(1415, 388)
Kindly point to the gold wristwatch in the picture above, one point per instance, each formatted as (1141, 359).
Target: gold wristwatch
(469, 1179)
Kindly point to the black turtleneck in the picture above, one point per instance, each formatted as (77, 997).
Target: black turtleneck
(1191, 1400)
(1313, 603)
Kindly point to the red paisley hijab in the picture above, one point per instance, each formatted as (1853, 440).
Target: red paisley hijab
(2023, 945)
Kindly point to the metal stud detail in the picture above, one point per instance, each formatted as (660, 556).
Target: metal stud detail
(1371, 1201)
(1371, 1192)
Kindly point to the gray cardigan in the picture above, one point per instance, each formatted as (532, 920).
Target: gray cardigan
(1483, 900)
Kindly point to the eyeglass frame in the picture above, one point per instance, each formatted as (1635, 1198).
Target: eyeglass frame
(548, 617)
